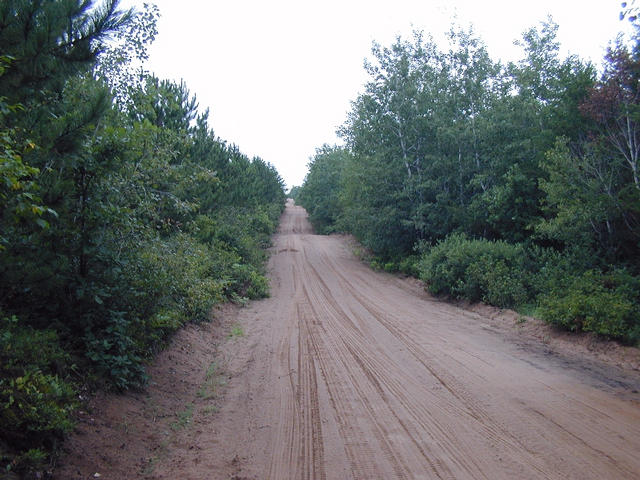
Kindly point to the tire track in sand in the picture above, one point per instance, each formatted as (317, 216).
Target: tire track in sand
(364, 381)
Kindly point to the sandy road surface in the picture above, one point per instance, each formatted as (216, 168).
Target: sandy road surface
(344, 374)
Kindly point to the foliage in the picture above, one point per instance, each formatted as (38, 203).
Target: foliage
(35, 400)
(51, 42)
(319, 192)
(294, 192)
(514, 182)
(590, 200)
(409, 265)
(446, 140)
(476, 270)
(19, 199)
(604, 303)
(121, 62)
(122, 215)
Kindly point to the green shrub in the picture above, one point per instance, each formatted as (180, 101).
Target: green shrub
(114, 355)
(553, 270)
(258, 287)
(180, 273)
(477, 270)
(22, 346)
(376, 263)
(36, 402)
(200, 296)
(262, 224)
(246, 233)
(160, 326)
(606, 304)
(248, 282)
(496, 282)
(409, 265)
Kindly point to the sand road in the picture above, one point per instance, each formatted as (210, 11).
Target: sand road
(345, 374)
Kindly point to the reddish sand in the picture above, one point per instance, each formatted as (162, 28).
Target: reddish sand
(345, 373)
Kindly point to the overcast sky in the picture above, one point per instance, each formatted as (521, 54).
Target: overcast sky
(278, 76)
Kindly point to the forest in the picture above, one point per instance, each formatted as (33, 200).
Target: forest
(514, 184)
(122, 216)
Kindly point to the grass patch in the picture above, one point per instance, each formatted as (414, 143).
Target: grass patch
(236, 331)
(184, 418)
(210, 409)
(211, 371)
(527, 309)
(239, 300)
(212, 380)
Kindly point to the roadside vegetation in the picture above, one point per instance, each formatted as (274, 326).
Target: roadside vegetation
(513, 184)
(122, 216)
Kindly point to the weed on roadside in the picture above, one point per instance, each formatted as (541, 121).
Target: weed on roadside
(184, 418)
(126, 426)
(213, 379)
(207, 389)
(148, 469)
(211, 371)
(210, 409)
(236, 331)
(239, 300)
(153, 410)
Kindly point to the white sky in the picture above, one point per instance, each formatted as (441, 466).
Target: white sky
(278, 76)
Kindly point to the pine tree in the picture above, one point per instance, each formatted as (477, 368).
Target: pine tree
(49, 41)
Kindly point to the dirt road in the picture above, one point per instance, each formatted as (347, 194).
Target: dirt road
(344, 374)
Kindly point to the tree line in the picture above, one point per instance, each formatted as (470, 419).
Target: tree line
(122, 215)
(515, 184)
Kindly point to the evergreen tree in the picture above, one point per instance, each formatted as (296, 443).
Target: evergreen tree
(51, 41)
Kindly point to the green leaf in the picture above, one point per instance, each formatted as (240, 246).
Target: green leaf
(42, 223)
